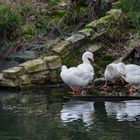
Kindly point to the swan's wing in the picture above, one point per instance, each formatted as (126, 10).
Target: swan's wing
(86, 67)
(78, 73)
(133, 79)
(133, 69)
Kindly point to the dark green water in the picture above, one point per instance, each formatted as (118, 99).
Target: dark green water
(44, 115)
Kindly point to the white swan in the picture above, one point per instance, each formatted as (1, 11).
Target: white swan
(74, 78)
(112, 73)
(131, 74)
(86, 65)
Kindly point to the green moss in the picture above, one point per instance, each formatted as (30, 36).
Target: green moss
(104, 20)
(28, 29)
(29, 37)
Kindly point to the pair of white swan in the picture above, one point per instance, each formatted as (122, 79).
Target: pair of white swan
(130, 73)
(80, 76)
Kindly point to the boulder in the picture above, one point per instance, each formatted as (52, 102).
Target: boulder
(76, 40)
(24, 80)
(13, 72)
(53, 61)
(62, 48)
(116, 13)
(39, 77)
(55, 76)
(94, 48)
(7, 82)
(34, 65)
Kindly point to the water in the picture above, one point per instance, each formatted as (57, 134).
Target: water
(45, 115)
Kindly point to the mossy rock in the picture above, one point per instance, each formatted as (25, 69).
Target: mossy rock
(34, 65)
(116, 13)
(13, 73)
(102, 21)
(87, 32)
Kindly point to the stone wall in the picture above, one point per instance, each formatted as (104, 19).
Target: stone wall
(47, 69)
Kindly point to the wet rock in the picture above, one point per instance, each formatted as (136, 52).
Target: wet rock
(24, 80)
(116, 13)
(55, 76)
(40, 77)
(62, 48)
(13, 72)
(34, 65)
(53, 61)
(76, 40)
(7, 82)
(25, 56)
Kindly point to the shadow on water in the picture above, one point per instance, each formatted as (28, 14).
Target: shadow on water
(43, 114)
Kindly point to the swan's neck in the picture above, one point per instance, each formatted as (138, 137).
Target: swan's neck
(85, 60)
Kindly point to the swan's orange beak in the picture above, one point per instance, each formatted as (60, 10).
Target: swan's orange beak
(93, 58)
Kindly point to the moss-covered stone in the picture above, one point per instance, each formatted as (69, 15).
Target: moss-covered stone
(34, 65)
(93, 47)
(116, 13)
(13, 72)
(7, 82)
(24, 80)
(102, 21)
(53, 61)
(87, 32)
(62, 48)
(39, 77)
(55, 76)
(115, 4)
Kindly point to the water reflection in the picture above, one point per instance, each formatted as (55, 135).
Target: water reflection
(78, 110)
(87, 111)
(44, 115)
(124, 111)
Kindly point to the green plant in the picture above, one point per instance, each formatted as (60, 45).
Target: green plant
(132, 10)
(53, 3)
(9, 19)
(27, 8)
